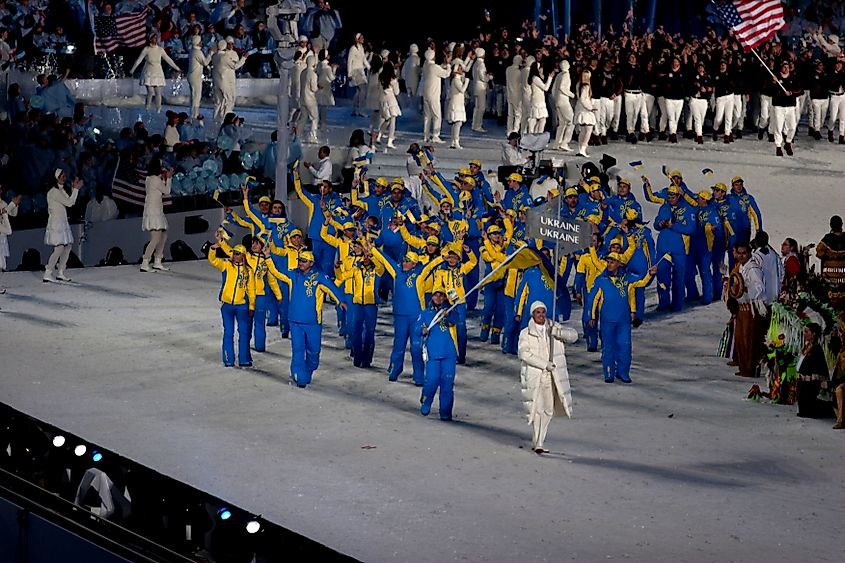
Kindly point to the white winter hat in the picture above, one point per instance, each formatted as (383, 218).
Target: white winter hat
(537, 305)
(221, 45)
(833, 39)
(479, 52)
(311, 60)
(58, 173)
(230, 39)
(517, 59)
(303, 38)
(196, 40)
(429, 55)
(451, 46)
(413, 48)
(564, 65)
(385, 53)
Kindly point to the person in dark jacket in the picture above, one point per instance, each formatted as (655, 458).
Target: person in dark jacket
(812, 372)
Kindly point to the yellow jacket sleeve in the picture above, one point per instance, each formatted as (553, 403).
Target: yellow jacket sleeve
(271, 269)
(218, 263)
(470, 264)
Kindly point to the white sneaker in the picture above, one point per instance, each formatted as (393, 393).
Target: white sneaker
(565, 148)
(157, 265)
(48, 278)
(438, 140)
(145, 267)
(582, 153)
(390, 144)
(60, 275)
(455, 146)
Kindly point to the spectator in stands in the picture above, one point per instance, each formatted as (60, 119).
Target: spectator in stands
(321, 22)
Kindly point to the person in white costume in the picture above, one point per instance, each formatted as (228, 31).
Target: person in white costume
(157, 185)
(433, 76)
(389, 104)
(456, 113)
(58, 233)
(308, 86)
(585, 113)
(538, 111)
(513, 74)
(544, 375)
(479, 91)
(325, 98)
(357, 66)
(411, 71)
(224, 63)
(197, 62)
(6, 211)
(374, 93)
(562, 97)
(525, 84)
(153, 74)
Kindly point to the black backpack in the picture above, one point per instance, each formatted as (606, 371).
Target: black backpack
(114, 257)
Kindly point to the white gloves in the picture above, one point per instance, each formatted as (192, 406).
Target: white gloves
(550, 366)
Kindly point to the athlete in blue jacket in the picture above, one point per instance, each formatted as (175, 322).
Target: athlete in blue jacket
(612, 298)
(708, 231)
(676, 222)
(441, 353)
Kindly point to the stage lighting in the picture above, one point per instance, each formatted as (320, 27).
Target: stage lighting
(224, 514)
(80, 450)
(252, 527)
(97, 456)
(59, 441)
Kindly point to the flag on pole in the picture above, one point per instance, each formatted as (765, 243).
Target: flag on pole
(753, 21)
(129, 185)
(124, 30)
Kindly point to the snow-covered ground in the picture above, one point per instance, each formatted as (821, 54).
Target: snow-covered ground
(676, 466)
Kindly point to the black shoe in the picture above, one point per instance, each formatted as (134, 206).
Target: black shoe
(817, 135)
(771, 138)
(699, 139)
(604, 139)
(727, 140)
(788, 148)
(633, 139)
(673, 138)
(649, 136)
(760, 134)
(715, 136)
(830, 136)
(661, 136)
(841, 140)
(614, 136)
(811, 132)
(636, 323)
(641, 137)
(738, 135)
(779, 151)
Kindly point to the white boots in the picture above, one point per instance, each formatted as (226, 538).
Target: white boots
(60, 276)
(145, 265)
(157, 265)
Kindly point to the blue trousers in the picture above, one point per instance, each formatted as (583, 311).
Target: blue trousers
(717, 258)
(259, 322)
(363, 329)
(700, 261)
(616, 349)
(324, 254)
(305, 351)
(232, 314)
(345, 322)
(564, 305)
(671, 279)
(692, 292)
(461, 325)
(273, 310)
(493, 314)
(385, 286)
(510, 331)
(472, 277)
(403, 329)
(440, 373)
(591, 335)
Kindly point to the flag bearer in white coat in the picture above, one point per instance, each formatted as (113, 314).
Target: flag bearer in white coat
(544, 377)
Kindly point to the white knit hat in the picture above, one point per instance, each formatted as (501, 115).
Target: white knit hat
(537, 305)
(479, 52)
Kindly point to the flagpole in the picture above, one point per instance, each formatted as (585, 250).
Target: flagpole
(762, 62)
(556, 265)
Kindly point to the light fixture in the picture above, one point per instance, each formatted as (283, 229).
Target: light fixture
(80, 450)
(252, 527)
(224, 513)
(59, 441)
(96, 456)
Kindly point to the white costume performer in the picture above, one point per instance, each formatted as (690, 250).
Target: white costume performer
(456, 113)
(6, 211)
(153, 74)
(389, 111)
(58, 233)
(538, 112)
(526, 94)
(479, 91)
(154, 220)
(513, 74)
(357, 67)
(585, 113)
(325, 98)
(196, 64)
(224, 64)
(433, 76)
(308, 86)
(562, 96)
(374, 100)
(411, 71)
(544, 375)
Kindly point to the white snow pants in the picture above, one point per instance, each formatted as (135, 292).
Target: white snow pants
(784, 124)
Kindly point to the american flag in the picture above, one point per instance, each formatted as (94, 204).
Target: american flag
(753, 21)
(124, 30)
(128, 184)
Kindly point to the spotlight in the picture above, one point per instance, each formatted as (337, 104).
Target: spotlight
(97, 456)
(252, 527)
(59, 441)
(80, 450)
(224, 514)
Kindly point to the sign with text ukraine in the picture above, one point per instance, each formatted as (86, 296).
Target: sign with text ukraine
(545, 223)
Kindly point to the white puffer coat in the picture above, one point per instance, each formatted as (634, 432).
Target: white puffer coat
(534, 355)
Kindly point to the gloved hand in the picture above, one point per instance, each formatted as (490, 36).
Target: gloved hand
(550, 366)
